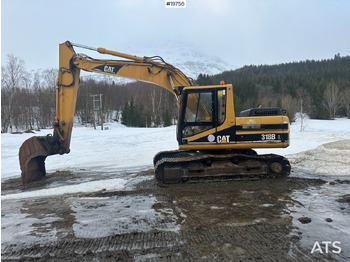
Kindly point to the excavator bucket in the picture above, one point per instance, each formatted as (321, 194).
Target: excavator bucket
(32, 155)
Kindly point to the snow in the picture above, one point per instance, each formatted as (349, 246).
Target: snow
(192, 61)
(122, 150)
(115, 149)
(327, 159)
(92, 186)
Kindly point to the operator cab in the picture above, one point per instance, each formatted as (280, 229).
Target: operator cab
(201, 109)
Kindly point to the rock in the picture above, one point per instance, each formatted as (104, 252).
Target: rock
(304, 220)
(344, 199)
(343, 181)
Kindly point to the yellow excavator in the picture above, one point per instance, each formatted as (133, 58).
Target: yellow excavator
(214, 143)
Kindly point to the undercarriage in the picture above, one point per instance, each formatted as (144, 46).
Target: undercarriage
(190, 166)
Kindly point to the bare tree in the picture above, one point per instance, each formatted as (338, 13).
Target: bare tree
(49, 77)
(346, 100)
(13, 78)
(5, 102)
(28, 104)
(332, 99)
(305, 105)
(301, 93)
(47, 96)
(14, 72)
(290, 104)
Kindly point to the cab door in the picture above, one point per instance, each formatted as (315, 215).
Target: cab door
(202, 109)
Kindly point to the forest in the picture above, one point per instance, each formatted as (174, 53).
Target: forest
(320, 89)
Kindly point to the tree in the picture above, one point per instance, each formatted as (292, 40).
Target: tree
(14, 73)
(5, 109)
(290, 104)
(126, 114)
(131, 114)
(332, 99)
(305, 106)
(13, 79)
(346, 101)
(167, 119)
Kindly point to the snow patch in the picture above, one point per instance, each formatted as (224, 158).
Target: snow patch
(93, 186)
(332, 159)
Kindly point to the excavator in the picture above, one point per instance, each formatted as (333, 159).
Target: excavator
(214, 143)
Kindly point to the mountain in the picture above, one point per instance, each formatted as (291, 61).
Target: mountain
(187, 58)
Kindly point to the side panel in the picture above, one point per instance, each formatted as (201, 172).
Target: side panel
(249, 132)
(264, 130)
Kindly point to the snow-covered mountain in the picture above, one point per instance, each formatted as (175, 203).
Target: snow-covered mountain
(185, 57)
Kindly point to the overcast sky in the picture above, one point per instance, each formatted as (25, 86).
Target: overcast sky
(241, 32)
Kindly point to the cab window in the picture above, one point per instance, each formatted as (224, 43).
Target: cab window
(221, 106)
(199, 107)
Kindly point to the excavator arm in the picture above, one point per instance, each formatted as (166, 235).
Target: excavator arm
(33, 152)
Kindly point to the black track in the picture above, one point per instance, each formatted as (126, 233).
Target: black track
(182, 166)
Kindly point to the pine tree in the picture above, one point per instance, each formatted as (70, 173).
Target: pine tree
(167, 121)
(126, 114)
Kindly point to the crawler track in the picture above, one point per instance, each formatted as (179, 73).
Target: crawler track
(183, 166)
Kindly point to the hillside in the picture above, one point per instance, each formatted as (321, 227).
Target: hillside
(291, 85)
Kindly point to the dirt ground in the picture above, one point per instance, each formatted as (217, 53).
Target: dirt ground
(268, 220)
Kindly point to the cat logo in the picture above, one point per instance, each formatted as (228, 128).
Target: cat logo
(109, 69)
(219, 139)
(223, 139)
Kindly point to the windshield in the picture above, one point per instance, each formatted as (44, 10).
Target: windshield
(199, 107)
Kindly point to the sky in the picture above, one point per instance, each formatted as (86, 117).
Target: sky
(241, 32)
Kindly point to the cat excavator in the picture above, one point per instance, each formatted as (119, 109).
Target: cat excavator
(214, 143)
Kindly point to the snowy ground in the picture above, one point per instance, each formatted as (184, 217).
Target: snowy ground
(117, 148)
(122, 150)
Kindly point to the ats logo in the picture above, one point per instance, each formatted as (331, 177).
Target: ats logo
(334, 247)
